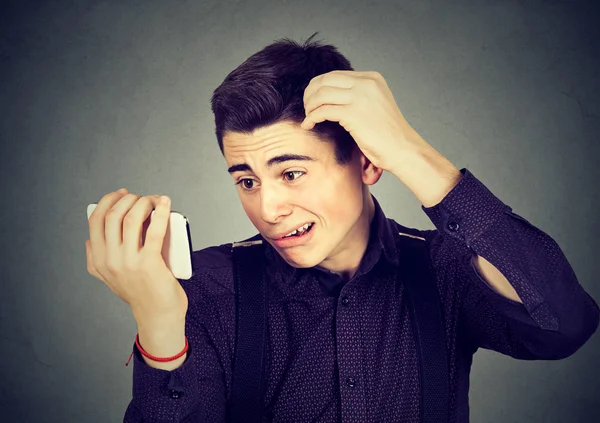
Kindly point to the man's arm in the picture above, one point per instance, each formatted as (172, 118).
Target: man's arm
(196, 389)
(431, 176)
(164, 338)
(554, 315)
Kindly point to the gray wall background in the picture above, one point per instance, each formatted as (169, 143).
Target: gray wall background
(96, 95)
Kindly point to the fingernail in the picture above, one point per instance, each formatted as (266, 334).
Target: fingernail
(122, 191)
(164, 199)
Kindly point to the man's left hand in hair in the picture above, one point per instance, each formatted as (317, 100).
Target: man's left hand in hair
(363, 104)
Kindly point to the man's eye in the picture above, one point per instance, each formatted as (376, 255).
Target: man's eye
(246, 183)
(293, 173)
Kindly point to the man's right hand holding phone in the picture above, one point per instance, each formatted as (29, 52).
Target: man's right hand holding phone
(137, 272)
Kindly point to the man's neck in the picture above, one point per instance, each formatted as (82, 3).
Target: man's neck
(347, 261)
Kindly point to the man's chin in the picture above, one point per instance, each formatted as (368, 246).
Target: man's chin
(297, 260)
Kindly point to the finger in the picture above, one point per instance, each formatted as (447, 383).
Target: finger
(340, 79)
(333, 113)
(113, 231)
(94, 272)
(328, 95)
(96, 224)
(158, 227)
(135, 224)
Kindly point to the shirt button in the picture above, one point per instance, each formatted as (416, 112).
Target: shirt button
(453, 226)
(345, 301)
(175, 394)
(351, 382)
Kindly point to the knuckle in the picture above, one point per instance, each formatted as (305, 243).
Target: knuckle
(93, 219)
(318, 96)
(128, 197)
(376, 74)
(152, 236)
(113, 214)
(130, 266)
(371, 82)
(129, 219)
(106, 197)
(112, 265)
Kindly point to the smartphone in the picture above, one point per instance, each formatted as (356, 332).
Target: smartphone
(177, 244)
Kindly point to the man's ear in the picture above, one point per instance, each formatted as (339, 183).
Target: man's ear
(370, 173)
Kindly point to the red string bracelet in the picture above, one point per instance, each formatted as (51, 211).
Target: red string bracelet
(151, 357)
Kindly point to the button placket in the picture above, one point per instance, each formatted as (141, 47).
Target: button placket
(175, 394)
(349, 358)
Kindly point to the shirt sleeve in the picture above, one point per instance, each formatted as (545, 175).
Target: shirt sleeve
(556, 317)
(194, 392)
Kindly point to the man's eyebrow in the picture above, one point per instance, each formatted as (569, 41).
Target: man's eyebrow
(272, 161)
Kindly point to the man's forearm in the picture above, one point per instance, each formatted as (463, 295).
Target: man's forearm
(431, 176)
(426, 172)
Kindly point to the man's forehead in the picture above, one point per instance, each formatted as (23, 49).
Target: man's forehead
(265, 135)
(240, 149)
(272, 143)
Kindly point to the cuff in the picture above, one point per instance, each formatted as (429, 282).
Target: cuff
(164, 395)
(467, 210)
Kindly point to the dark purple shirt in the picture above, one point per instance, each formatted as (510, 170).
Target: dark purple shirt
(345, 351)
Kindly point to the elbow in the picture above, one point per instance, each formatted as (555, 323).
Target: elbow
(585, 327)
(571, 335)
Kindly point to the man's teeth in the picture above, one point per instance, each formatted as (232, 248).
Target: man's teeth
(300, 229)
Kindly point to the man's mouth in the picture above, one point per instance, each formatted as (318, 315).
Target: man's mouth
(303, 230)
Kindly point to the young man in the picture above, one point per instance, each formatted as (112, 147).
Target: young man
(303, 137)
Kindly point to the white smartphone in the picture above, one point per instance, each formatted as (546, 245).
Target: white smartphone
(177, 244)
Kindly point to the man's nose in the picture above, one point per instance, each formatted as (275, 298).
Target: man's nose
(273, 203)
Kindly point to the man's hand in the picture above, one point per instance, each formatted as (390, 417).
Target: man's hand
(134, 271)
(363, 104)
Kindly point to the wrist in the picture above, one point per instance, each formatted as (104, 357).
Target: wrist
(163, 342)
(413, 150)
(152, 320)
(427, 173)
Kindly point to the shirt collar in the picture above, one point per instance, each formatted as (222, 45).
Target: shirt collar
(382, 237)
(381, 242)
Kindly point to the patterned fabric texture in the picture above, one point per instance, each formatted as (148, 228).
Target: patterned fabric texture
(345, 351)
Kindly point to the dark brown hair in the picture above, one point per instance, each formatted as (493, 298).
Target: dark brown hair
(269, 86)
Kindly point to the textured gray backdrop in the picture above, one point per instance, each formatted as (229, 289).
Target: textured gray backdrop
(96, 95)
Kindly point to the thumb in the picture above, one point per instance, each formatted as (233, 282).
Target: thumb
(90, 264)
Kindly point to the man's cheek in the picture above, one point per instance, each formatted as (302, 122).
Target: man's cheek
(336, 210)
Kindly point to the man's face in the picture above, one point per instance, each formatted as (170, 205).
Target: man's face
(282, 195)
